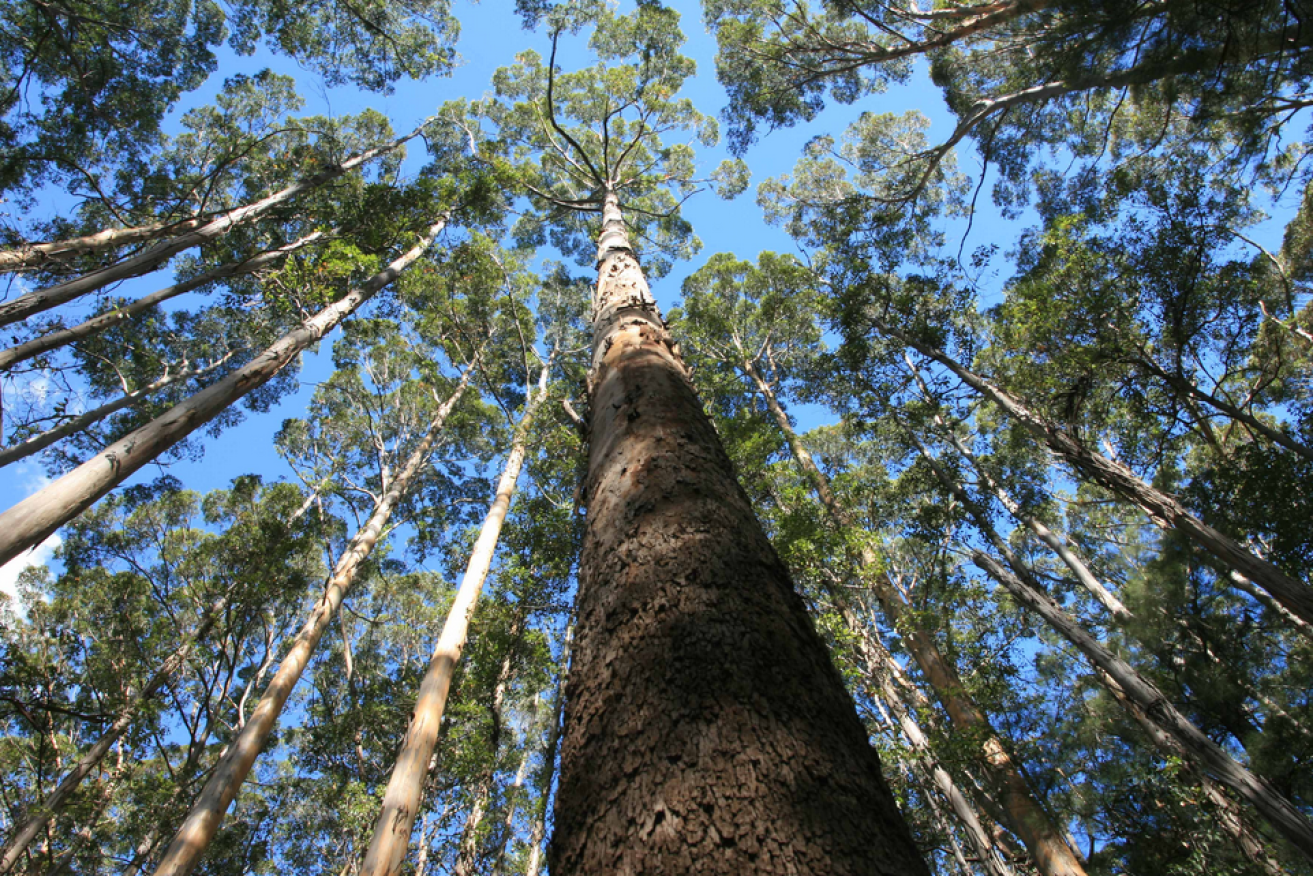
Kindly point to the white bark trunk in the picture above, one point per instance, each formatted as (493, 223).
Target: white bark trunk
(405, 790)
(29, 522)
(206, 814)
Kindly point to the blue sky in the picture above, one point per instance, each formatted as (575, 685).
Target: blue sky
(489, 39)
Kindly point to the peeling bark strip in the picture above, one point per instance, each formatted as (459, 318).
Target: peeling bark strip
(26, 524)
(706, 730)
(202, 823)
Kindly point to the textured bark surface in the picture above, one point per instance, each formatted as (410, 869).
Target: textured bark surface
(1009, 798)
(706, 730)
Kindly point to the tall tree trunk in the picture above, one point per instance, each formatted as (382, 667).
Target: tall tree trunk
(1202, 751)
(512, 806)
(1164, 510)
(1227, 812)
(37, 443)
(37, 255)
(405, 790)
(538, 831)
(40, 300)
(1016, 806)
(207, 812)
(97, 324)
(706, 728)
(31, 520)
(41, 815)
(880, 674)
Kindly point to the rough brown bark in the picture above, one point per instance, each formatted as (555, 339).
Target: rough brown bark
(29, 522)
(706, 729)
(96, 324)
(1164, 510)
(1011, 798)
(39, 300)
(202, 823)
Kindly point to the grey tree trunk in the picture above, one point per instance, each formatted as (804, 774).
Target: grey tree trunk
(1164, 510)
(96, 324)
(43, 299)
(38, 255)
(29, 522)
(202, 823)
(405, 790)
(706, 729)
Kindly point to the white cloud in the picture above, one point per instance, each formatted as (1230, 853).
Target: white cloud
(32, 479)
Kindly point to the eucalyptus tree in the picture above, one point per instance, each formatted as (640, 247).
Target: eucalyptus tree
(384, 413)
(688, 627)
(759, 320)
(130, 665)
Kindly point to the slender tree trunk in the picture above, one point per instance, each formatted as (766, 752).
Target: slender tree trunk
(538, 832)
(706, 728)
(51, 806)
(43, 299)
(1226, 812)
(37, 255)
(879, 669)
(405, 790)
(26, 524)
(1188, 390)
(1164, 510)
(512, 805)
(202, 823)
(97, 324)
(1202, 751)
(37, 443)
(1017, 806)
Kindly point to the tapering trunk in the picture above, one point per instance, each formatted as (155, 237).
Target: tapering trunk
(97, 324)
(26, 524)
(706, 728)
(53, 803)
(512, 806)
(1017, 806)
(405, 790)
(40, 442)
(1202, 751)
(202, 823)
(39, 255)
(52, 296)
(1164, 510)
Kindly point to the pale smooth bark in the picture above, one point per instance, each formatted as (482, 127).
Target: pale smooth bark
(512, 805)
(1017, 806)
(202, 823)
(41, 814)
(43, 299)
(37, 443)
(1202, 751)
(1226, 812)
(29, 522)
(1164, 510)
(96, 324)
(36, 255)
(538, 832)
(405, 790)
